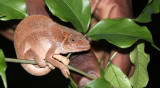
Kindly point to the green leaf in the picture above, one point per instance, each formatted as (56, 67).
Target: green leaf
(3, 67)
(116, 77)
(140, 59)
(78, 12)
(98, 83)
(122, 33)
(152, 7)
(12, 9)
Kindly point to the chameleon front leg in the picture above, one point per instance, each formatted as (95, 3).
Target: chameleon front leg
(61, 66)
(50, 58)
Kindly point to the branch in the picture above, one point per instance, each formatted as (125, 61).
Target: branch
(15, 60)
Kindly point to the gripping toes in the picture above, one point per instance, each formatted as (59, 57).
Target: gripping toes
(61, 58)
(58, 64)
(51, 66)
(64, 70)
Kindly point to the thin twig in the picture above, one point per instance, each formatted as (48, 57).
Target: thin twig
(81, 72)
(110, 59)
(68, 56)
(72, 81)
(15, 60)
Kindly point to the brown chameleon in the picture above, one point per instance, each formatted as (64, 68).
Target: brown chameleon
(39, 38)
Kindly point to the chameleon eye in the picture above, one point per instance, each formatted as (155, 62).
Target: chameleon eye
(73, 40)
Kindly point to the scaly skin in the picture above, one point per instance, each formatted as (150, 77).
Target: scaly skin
(39, 38)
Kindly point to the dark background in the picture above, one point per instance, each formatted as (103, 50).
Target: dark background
(17, 77)
(154, 27)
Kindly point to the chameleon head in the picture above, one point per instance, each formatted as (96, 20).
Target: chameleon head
(75, 43)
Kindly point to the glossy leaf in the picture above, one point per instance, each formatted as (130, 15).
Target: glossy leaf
(98, 83)
(140, 59)
(152, 7)
(12, 9)
(3, 67)
(116, 77)
(78, 12)
(122, 33)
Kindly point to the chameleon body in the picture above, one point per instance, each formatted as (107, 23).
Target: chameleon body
(41, 39)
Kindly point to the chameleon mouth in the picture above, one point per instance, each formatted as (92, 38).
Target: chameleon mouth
(79, 48)
(83, 48)
(75, 49)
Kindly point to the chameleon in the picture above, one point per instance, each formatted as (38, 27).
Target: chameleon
(41, 39)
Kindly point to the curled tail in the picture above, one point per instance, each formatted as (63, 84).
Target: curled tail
(35, 70)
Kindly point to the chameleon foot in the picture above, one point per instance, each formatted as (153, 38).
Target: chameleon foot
(61, 58)
(60, 65)
(51, 66)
